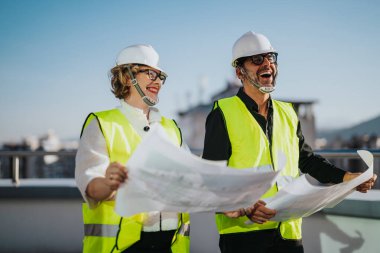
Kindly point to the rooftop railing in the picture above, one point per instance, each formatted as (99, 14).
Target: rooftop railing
(15, 157)
(59, 187)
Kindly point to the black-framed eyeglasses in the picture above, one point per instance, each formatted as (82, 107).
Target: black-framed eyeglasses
(259, 58)
(152, 75)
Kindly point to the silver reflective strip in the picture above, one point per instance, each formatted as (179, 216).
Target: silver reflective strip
(100, 230)
(184, 229)
(282, 181)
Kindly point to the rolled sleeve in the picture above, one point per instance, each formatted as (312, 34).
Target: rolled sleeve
(91, 159)
(315, 165)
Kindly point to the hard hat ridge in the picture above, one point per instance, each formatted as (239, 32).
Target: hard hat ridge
(249, 44)
(139, 54)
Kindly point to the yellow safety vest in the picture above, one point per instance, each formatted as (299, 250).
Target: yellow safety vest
(251, 148)
(106, 231)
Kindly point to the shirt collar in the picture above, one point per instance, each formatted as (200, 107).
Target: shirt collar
(136, 113)
(249, 102)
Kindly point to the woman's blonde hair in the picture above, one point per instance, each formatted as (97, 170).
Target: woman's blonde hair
(121, 81)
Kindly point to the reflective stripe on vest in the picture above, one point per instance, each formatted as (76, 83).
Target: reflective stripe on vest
(181, 241)
(251, 148)
(105, 229)
(100, 230)
(184, 230)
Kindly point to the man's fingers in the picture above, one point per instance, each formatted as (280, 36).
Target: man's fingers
(261, 202)
(233, 214)
(266, 211)
(261, 214)
(260, 217)
(364, 187)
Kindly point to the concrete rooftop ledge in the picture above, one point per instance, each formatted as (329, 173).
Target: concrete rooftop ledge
(364, 205)
(39, 189)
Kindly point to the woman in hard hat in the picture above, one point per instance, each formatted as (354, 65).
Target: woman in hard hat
(108, 140)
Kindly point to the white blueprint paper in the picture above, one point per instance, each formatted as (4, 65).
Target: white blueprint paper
(305, 195)
(163, 177)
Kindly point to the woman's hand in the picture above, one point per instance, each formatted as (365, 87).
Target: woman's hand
(115, 175)
(104, 188)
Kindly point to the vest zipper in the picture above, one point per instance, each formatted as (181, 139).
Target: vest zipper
(271, 159)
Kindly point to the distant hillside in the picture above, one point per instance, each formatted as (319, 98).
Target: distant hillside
(369, 127)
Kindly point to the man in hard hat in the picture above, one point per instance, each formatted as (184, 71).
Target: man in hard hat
(250, 130)
(108, 140)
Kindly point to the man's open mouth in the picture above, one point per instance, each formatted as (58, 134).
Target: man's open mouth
(265, 74)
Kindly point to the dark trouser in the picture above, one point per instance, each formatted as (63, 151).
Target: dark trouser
(264, 241)
(153, 242)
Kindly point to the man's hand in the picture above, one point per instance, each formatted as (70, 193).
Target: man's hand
(235, 214)
(258, 213)
(364, 187)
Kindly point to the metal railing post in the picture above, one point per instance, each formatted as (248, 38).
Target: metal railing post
(16, 170)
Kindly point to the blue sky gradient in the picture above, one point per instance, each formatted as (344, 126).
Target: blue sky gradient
(55, 56)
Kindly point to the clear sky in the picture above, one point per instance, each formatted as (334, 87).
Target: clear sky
(55, 55)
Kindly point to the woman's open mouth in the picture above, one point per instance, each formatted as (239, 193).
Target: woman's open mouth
(153, 89)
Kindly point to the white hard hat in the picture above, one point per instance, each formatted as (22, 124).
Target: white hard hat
(139, 54)
(250, 44)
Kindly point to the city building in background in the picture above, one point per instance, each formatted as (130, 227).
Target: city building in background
(48, 166)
